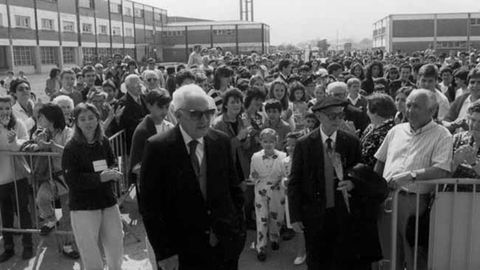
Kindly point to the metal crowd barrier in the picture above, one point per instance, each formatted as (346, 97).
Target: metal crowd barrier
(118, 144)
(453, 231)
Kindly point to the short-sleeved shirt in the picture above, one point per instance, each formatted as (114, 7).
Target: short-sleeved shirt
(405, 150)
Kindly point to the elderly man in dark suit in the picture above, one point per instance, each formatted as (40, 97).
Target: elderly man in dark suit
(192, 202)
(131, 109)
(317, 195)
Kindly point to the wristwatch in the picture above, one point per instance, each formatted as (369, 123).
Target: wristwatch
(413, 175)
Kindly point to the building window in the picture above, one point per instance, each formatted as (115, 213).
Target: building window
(49, 55)
(139, 12)
(173, 33)
(68, 26)
(22, 21)
(130, 52)
(128, 32)
(475, 22)
(22, 56)
(117, 51)
(47, 24)
(88, 55)
(127, 11)
(116, 31)
(86, 27)
(103, 52)
(224, 32)
(102, 29)
(68, 55)
(85, 3)
(115, 8)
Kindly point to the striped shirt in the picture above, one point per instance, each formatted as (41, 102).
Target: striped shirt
(404, 150)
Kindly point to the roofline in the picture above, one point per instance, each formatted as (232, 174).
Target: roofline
(203, 23)
(154, 7)
(423, 14)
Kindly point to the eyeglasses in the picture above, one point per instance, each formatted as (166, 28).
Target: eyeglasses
(198, 115)
(334, 116)
(151, 79)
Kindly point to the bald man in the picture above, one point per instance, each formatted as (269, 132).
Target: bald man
(418, 150)
(192, 203)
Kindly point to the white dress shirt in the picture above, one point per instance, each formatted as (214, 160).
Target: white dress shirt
(200, 146)
(333, 137)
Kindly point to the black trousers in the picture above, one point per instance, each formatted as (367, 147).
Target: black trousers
(325, 242)
(8, 205)
(204, 256)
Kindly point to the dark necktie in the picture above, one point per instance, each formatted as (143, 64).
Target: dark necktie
(329, 175)
(196, 167)
(193, 157)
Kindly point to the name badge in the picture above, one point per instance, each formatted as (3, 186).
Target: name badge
(100, 165)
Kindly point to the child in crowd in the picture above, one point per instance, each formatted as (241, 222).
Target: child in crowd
(299, 101)
(319, 94)
(266, 172)
(273, 108)
(279, 91)
(354, 96)
(286, 166)
(311, 123)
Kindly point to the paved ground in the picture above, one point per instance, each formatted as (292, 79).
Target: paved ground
(135, 257)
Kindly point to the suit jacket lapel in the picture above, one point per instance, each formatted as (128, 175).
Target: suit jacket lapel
(209, 156)
(316, 153)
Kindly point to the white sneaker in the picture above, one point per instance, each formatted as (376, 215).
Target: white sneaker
(300, 260)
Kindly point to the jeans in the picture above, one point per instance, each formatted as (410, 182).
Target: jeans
(94, 227)
(8, 204)
(46, 195)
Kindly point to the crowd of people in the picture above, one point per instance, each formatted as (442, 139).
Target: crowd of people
(292, 148)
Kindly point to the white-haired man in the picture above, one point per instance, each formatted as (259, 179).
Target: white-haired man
(133, 108)
(418, 150)
(192, 202)
(151, 67)
(355, 119)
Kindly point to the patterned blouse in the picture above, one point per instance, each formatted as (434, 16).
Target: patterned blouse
(463, 171)
(371, 140)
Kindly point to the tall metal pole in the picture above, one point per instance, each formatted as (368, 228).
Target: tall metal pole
(241, 10)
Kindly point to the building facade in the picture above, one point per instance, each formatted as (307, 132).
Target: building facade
(238, 37)
(36, 35)
(443, 32)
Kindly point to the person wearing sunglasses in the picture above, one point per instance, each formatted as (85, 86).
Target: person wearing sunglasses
(354, 120)
(191, 199)
(151, 81)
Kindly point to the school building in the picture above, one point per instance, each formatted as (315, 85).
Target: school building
(238, 37)
(444, 32)
(36, 35)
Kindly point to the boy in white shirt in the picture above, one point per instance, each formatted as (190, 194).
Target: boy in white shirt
(266, 172)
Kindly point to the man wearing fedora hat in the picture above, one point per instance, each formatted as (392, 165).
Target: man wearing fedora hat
(317, 191)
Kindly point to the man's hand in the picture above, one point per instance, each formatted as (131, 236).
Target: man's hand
(400, 181)
(169, 263)
(44, 145)
(298, 227)
(345, 185)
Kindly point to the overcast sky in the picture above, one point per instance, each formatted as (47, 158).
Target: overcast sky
(293, 21)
